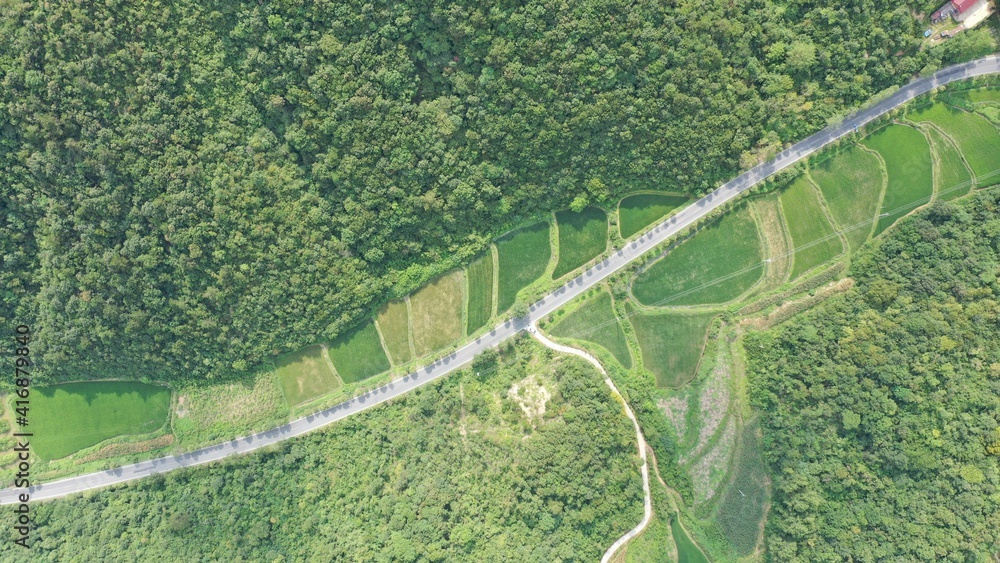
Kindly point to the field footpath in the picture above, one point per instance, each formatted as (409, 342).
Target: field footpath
(651, 239)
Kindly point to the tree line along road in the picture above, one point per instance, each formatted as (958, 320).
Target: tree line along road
(618, 260)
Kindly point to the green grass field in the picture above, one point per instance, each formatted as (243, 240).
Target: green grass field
(720, 263)
(394, 324)
(595, 322)
(637, 212)
(437, 313)
(742, 507)
(582, 236)
(907, 159)
(671, 345)
(305, 374)
(977, 138)
(813, 238)
(851, 182)
(358, 354)
(523, 256)
(952, 177)
(480, 276)
(69, 417)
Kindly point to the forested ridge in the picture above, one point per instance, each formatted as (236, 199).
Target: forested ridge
(454, 471)
(881, 408)
(192, 187)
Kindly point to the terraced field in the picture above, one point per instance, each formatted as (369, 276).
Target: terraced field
(595, 321)
(951, 175)
(671, 344)
(305, 374)
(851, 183)
(977, 138)
(69, 417)
(523, 256)
(437, 313)
(813, 238)
(907, 157)
(582, 236)
(637, 212)
(394, 324)
(480, 276)
(358, 354)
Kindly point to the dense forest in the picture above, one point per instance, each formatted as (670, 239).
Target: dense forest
(456, 470)
(881, 408)
(191, 187)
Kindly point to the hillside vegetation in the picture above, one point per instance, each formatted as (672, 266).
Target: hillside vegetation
(881, 408)
(456, 470)
(194, 187)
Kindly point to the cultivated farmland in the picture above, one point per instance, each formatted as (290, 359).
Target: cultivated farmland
(305, 374)
(977, 138)
(851, 182)
(814, 239)
(952, 176)
(595, 321)
(437, 313)
(394, 324)
(523, 256)
(671, 344)
(718, 264)
(480, 287)
(358, 354)
(907, 159)
(582, 236)
(69, 417)
(637, 212)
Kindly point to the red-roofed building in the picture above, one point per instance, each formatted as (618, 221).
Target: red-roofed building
(963, 10)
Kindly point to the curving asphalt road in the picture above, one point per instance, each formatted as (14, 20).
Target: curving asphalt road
(648, 241)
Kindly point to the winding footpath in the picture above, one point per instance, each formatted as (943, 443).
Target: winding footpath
(613, 263)
(640, 441)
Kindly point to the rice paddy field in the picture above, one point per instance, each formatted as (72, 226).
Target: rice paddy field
(595, 322)
(687, 551)
(851, 182)
(437, 313)
(582, 236)
(980, 95)
(951, 175)
(358, 354)
(305, 374)
(907, 158)
(813, 238)
(480, 288)
(716, 265)
(69, 417)
(523, 256)
(394, 324)
(977, 138)
(671, 344)
(636, 212)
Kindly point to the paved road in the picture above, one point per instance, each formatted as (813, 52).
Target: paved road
(648, 241)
